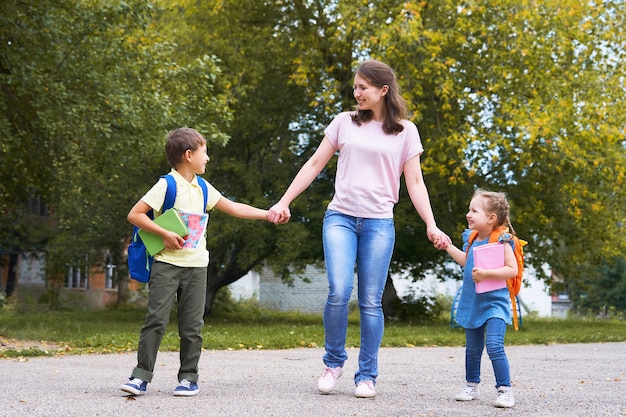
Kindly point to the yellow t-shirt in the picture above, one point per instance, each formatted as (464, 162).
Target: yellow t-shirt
(188, 198)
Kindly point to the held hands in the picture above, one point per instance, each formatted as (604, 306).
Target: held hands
(438, 243)
(279, 213)
(440, 239)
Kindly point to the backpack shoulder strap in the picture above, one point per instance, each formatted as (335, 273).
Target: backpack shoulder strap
(170, 193)
(474, 234)
(472, 237)
(205, 191)
(493, 237)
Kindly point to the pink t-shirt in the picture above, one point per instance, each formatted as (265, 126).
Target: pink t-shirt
(370, 164)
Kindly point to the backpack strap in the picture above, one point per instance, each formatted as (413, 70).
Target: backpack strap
(493, 237)
(170, 193)
(205, 191)
(472, 237)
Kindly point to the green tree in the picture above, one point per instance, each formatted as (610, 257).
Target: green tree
(522, 97)
(518, 96)
(512, 96)
(88, 92)
(602, 291)
(257, 54)
(290, 68)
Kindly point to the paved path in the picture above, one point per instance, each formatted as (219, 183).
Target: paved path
(557, 380)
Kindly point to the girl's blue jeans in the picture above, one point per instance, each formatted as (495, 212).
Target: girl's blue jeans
(490, 334)
(368, 243)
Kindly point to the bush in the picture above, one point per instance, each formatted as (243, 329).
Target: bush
(416, 308)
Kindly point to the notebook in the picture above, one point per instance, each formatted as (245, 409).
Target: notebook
(489, 256)
(169, 220)
(196, 224)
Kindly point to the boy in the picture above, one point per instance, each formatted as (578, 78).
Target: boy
(179, 272)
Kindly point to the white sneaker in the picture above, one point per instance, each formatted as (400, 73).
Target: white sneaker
(365, 389)
(327, 382)
(469, 393)
(504, 398)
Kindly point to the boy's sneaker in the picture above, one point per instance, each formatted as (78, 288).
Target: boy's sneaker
(328, 381)
(469, 393)
(135, 386)
(365, 389)
(186, 388)
(504, 398)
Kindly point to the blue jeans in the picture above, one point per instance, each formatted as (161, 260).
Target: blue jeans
(368, 243)
(491, 334)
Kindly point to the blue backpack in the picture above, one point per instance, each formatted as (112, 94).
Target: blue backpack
(139, 262)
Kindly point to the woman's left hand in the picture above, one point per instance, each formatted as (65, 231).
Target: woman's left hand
(439, 238)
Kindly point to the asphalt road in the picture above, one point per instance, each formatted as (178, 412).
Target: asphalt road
(556, 380)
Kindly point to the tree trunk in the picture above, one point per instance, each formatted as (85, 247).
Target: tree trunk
(12, 274)
(123, 294)
(214, 282)
(390, 298)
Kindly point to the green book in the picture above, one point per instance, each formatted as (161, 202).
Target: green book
(170, 220)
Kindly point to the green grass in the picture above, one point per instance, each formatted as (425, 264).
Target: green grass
(117, 330)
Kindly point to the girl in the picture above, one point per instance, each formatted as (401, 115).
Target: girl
(485, 316)
(376, 145)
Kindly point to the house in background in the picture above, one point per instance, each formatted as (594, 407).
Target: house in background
(81, 287)
(96, 288)
(310, 297)
(24, 273)
(273, 294)
(561, 304)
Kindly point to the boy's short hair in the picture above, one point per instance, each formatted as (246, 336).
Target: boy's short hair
(180, 141)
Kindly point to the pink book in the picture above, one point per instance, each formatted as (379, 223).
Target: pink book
(489, 256)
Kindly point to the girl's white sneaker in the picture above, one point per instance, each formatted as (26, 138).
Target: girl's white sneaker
(365, 389)
(470, 392)
(504, 398)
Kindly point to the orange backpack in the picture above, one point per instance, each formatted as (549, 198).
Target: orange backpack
(514, 284)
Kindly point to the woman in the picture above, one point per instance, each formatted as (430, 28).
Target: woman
(376, 145)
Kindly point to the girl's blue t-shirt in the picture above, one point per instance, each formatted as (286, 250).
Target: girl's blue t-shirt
(475, 309)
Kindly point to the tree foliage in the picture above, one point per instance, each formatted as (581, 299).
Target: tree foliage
(522, 97)
(602, 290)
(518, 96)
(88, 92)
